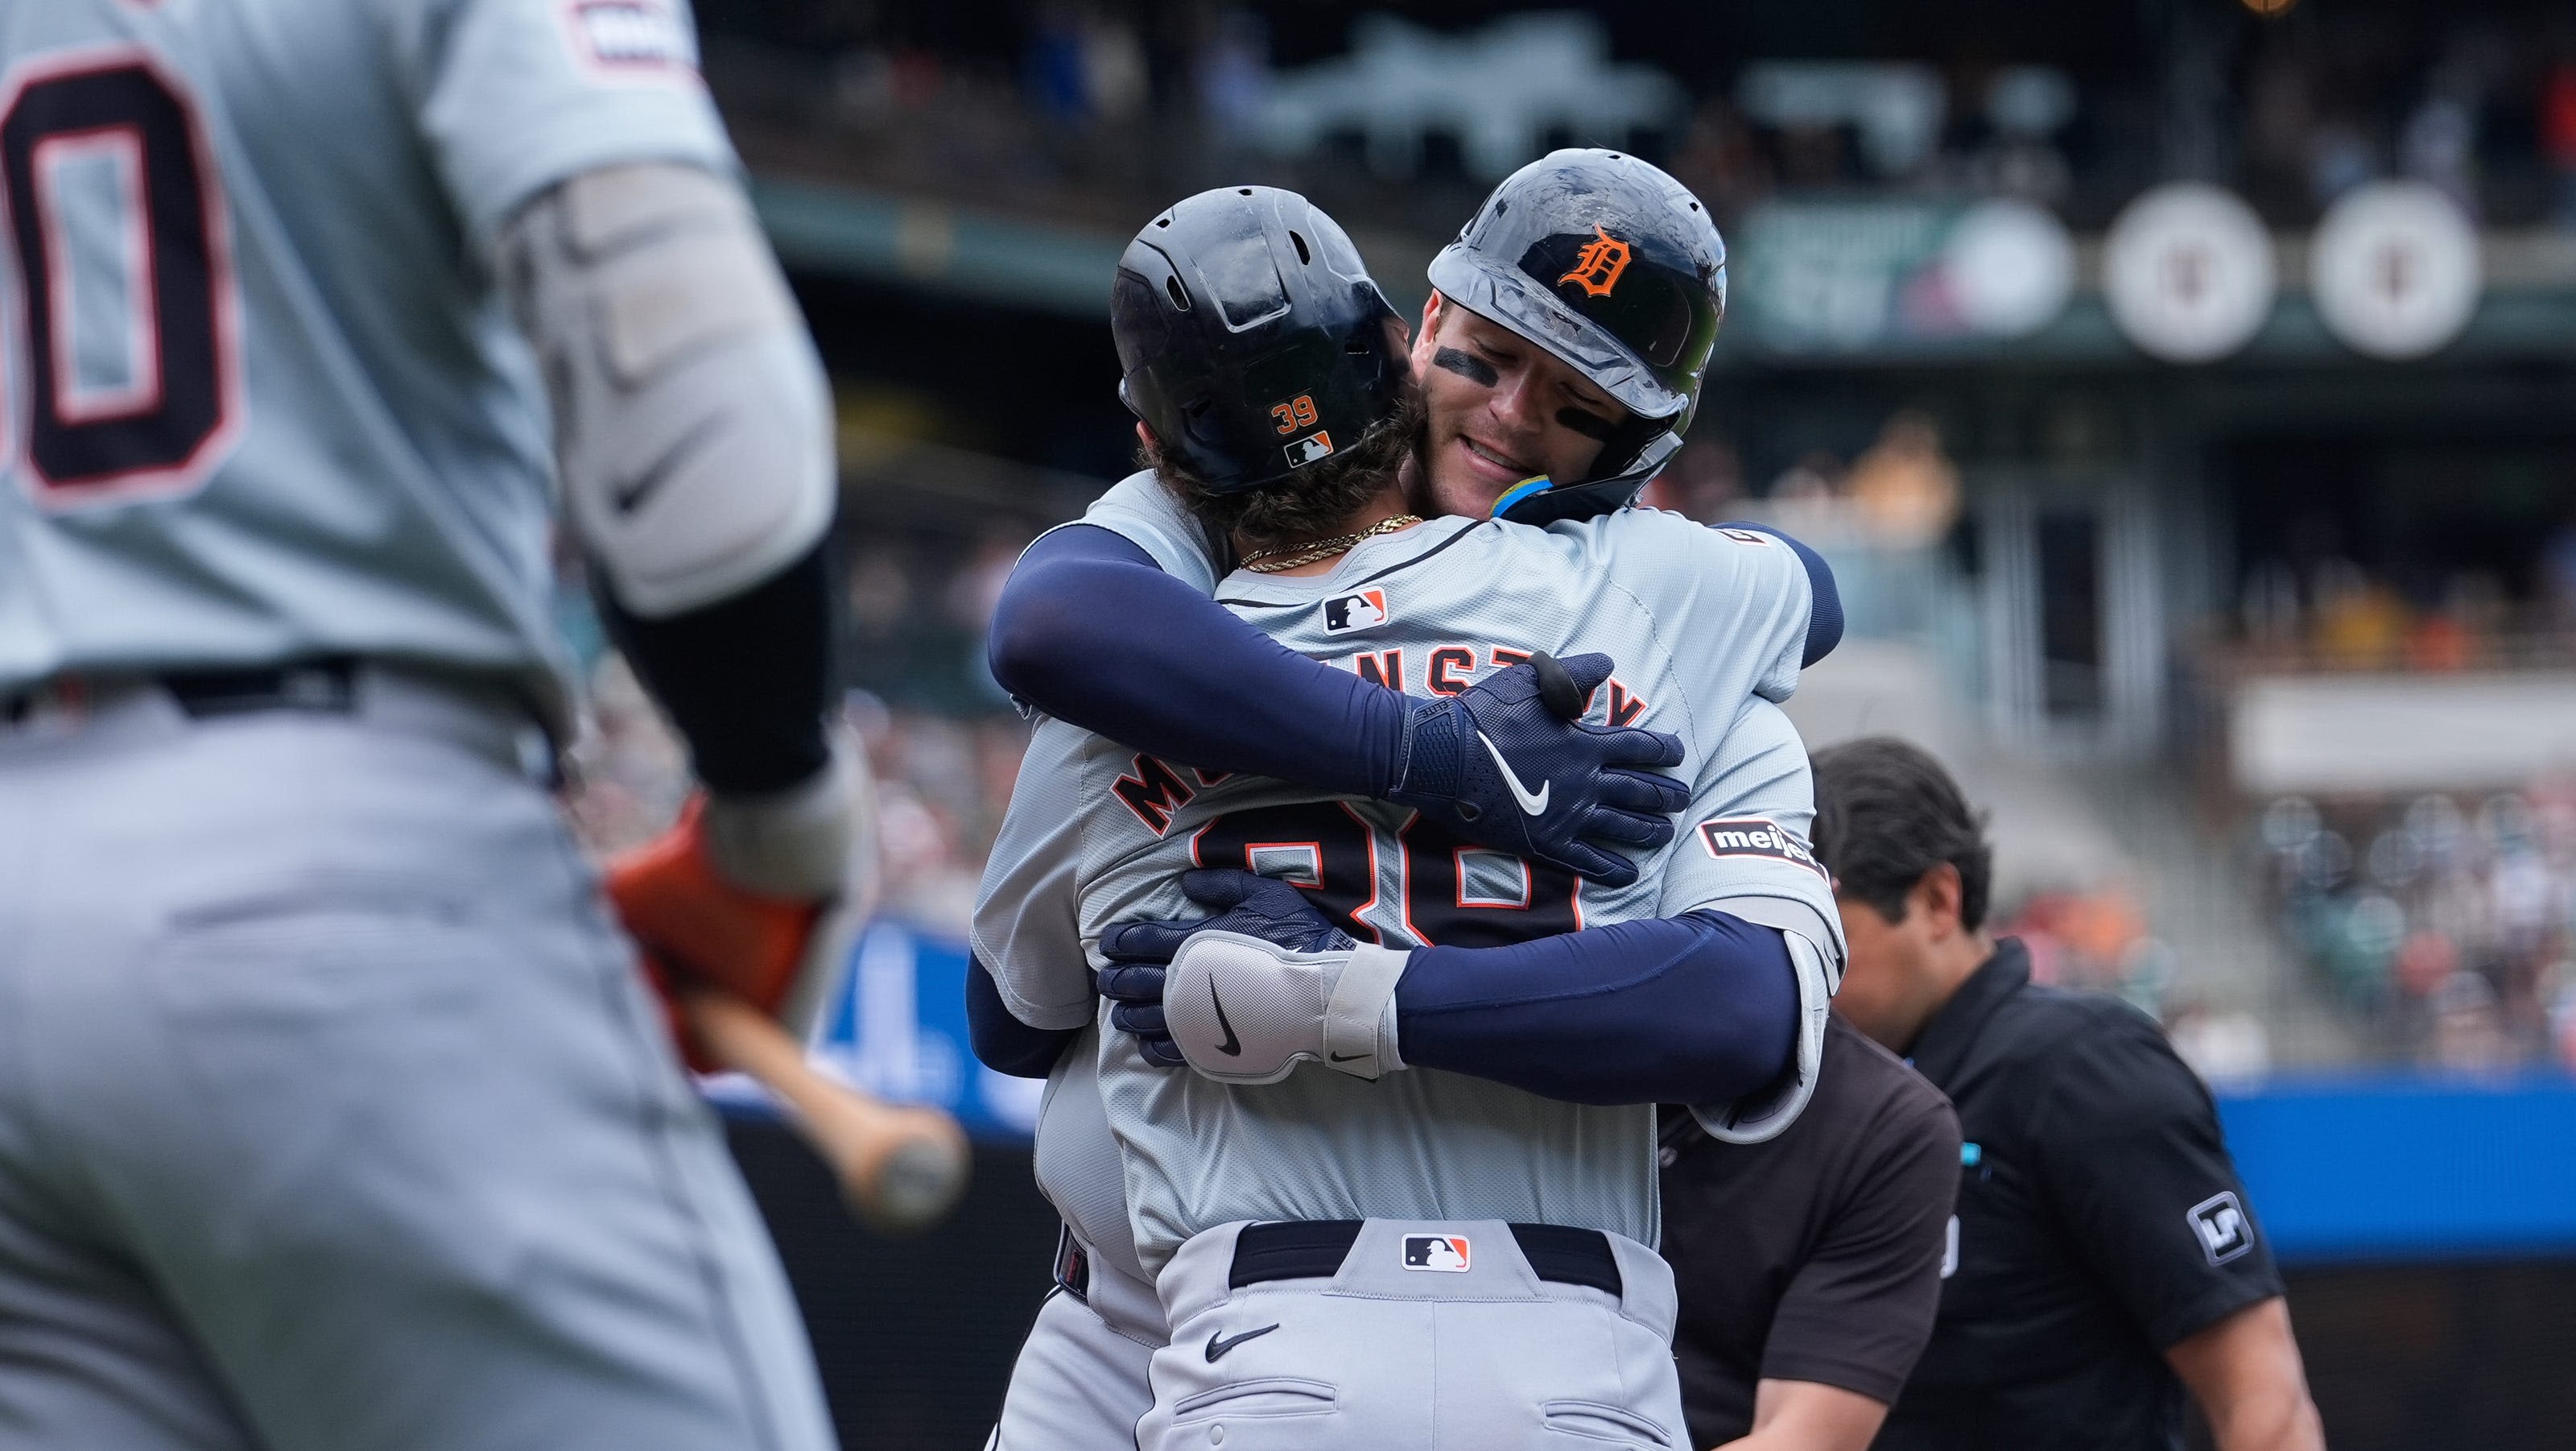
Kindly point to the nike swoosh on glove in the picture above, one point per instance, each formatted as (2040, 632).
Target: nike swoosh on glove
(1276, 983)
(1509, 764)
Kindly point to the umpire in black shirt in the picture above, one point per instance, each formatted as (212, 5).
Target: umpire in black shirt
(1809, 1264)
(2105, 1256)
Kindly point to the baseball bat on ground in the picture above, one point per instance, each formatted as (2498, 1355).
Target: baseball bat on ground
(901, 1167)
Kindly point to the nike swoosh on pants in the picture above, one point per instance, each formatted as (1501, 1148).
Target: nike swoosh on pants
(1216, 1347)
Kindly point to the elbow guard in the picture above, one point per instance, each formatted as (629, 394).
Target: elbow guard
(692, 419)
(1765, 1113)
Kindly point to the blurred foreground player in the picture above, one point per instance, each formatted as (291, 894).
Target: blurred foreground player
(1810, 1264)
(334, 1115)
(2106, 1257)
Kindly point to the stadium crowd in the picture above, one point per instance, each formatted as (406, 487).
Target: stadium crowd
(2451, 923)
(1101, 109)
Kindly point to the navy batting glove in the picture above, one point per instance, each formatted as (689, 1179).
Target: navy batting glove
(1138, 952)
(1509, 764)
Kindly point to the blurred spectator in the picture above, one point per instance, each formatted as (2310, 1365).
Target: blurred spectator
(2089, 939)
(2440, 642)
(1904, 490)
(2224, 1048)
(1053, 68)
(1231, 71)
(2558, 570)
(2451, 929)
(2026, 106)
(1705, 481)
(2558, 137)
(2468, 1032)
(942, 783)
(1806, 499)
(2361, 622)
(629, 769)
(2340, 158)
(2562, 1014)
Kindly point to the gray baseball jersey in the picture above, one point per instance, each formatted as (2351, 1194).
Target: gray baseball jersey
(1098, 834)
(266, 400)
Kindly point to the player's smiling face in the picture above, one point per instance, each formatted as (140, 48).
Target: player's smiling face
(1501, 409)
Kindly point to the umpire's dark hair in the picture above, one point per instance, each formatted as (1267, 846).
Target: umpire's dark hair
(1886, 813)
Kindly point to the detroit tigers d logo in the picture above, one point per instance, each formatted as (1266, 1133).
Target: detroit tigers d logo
(1598, 265)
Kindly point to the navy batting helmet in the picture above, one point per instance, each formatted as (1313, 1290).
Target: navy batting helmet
(1251, 338)
(1615, 268)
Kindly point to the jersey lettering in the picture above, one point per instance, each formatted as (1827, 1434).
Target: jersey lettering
(1386, 668)
(1624, 707)
(1450, 891)
(1458, 894)
(1323, 847)
(1450, 667)
(162, 427)
(1153, 793)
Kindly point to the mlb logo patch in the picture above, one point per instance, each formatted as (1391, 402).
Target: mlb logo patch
(1444, 1253)
(2219, 1223)
(1355, 612)
(1306, 450)
(1747, 536)
(626, 36)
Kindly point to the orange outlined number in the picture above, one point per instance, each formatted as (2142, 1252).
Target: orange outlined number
(1296, 413)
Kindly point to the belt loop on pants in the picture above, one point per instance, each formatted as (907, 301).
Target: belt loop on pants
(1316, 1249)
(1072, 1264)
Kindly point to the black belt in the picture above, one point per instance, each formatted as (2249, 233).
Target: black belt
(1314, 1249)
(320, 685)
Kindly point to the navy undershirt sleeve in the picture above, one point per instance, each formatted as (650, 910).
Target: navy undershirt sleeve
(1003, 1043)
(748, 678)
(1090, 631)
(1700, 1009)
(1825, 612)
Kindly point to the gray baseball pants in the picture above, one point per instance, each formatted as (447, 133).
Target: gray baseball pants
(333, 1116)
(1399, 1348)
(1080, 1382)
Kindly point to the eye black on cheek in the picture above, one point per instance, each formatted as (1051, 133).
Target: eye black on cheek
(1590, 425)
(1468, 366)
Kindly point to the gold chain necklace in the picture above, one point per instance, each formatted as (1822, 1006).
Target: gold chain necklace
(1325, 548)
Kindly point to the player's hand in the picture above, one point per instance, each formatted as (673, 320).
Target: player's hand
(1509, 764)
(746, 896)
(1243, 996)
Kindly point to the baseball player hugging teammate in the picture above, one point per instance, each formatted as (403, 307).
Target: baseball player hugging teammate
(1378, 1134)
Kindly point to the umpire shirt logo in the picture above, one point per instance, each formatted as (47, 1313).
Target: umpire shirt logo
(2222, 1228)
